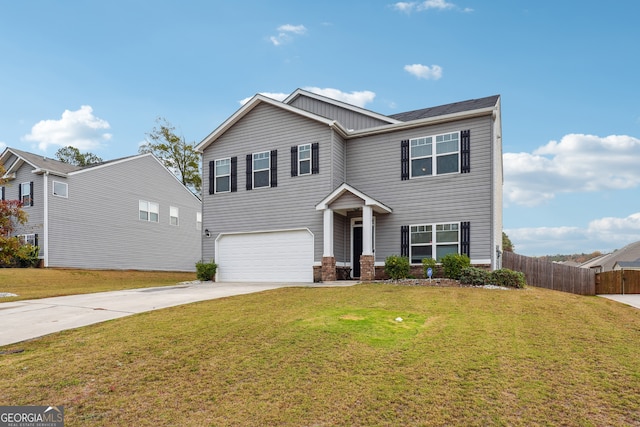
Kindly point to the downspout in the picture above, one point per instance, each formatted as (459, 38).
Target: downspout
(45, 224)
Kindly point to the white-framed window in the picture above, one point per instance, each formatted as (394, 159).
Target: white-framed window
(26, 194)
(261, 169)
(173, 215)
(304, 159)
(198, 220)
(223, 176)
(60, 189)
(433, 241)
(149, 211)
(28, 239)
(435, 155)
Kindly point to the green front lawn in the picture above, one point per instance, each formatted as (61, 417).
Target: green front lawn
(339, 357)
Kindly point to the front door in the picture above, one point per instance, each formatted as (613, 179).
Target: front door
(357, 249)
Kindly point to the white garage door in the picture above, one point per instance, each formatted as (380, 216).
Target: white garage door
(279, 256)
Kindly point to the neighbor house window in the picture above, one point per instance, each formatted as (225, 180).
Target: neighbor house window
(261, 169)
(149, 211)
(28, 239)
(26, 193)
(198, 220)
(435, 155)
(60, 189)
(173, 215)
(304, 159)
(223, 175)
(433, 241)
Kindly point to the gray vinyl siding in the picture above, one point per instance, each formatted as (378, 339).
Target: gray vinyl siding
(347, 118)
(292, 203)
(98, 225)
(339, 163)
(373, 167)
(35, 213)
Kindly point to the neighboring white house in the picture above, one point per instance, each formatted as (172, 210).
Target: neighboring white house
(128, 213)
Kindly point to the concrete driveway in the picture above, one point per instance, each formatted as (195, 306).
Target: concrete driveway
(24, 320)
(630, 299)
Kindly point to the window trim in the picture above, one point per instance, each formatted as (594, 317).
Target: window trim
(254, 170)
(309, 159)
(24, 239)
(216, 175)
(148, 210)
(28, 194)
(176, 216)
(66, 189)
(434, 155)
(433, 241)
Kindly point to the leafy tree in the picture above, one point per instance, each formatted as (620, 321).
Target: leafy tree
(177, 155)
(73, 156)
(11, 214)
(506, 243)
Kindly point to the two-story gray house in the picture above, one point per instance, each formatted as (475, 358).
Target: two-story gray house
(129, 213)
(312, 188)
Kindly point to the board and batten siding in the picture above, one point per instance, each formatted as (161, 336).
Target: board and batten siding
(373, 167)
(98, 225)
(349, 119)
(35, 213)
(290, 205)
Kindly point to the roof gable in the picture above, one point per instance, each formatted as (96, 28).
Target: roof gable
(39, 163)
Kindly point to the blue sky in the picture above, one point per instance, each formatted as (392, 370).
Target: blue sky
(96, 75)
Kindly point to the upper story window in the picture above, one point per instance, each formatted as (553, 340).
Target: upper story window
(433, 241)
(223, 175)
(173, 215)
(261, 169)
(60, 189)
(26, 193)
(304, 159)
(149, 211)
(435, 155)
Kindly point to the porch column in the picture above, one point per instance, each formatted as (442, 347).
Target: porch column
(367, 260)
(328, 273)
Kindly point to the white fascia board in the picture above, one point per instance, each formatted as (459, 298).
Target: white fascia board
(368, 201)
(340, 104)
(422, 122)
(40, 171)
(250, 105)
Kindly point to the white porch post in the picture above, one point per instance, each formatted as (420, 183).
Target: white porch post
(367, 227)
(328, 233)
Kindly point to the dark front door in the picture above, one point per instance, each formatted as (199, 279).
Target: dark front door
(357, 250)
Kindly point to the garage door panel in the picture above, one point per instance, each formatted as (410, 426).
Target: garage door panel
(282, 256)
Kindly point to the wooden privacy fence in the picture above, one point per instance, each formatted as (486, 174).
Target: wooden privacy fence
(618, 282)
(551, 275)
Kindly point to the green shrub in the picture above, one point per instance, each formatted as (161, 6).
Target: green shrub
(429, 263)
(474, 276)
(508, 278)
(397, 267)
(452, 265)
(27, 256)
(206, 270)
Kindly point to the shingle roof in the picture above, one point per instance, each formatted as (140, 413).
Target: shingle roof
(456, 107)
(631, 252)
(45, 162)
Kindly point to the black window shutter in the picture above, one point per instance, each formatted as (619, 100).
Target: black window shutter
(212, 174)
(1, 193)
(20, 192)
(234, 174)
(404, 240)
(465, 150)
(465, 238)
(31, 193)
(294, 160)
(35, 240)
(249, 171)
(404, 156)
(274, 168)
(315, 158)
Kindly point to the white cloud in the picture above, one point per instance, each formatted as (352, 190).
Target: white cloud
(578, 163)
(604, 235)
(285, 33)
(408, 7)
(80, 129)
(424, 71)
